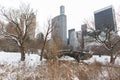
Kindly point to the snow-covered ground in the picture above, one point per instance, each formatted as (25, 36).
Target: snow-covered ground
(102, 59)
(14, 58)
(11, 68)
(33, 59)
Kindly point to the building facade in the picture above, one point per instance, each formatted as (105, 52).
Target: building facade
(105, 19)
(32, 25)
(84, 29)
(32, 28)
(60, 26)
(69, 34)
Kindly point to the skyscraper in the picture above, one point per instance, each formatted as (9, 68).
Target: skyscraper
(69, 34)
(84, 29)
(105, 19)
(60, 26)
(32, 28)
(32, 25)
(73, 40)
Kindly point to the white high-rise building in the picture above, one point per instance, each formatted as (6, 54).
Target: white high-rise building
(73, 41)
(60, 26)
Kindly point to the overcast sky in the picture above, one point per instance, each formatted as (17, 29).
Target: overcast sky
(76, 10)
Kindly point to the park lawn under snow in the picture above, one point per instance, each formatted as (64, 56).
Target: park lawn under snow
(14, 58)
(33, 59)
(12, 68)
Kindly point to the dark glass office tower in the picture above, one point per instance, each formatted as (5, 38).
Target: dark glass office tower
(105, 19)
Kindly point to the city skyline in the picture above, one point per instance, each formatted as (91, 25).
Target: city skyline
(77, 11)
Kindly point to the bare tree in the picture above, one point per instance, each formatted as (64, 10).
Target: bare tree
(50, 28)
(21, 21)
(109, 40)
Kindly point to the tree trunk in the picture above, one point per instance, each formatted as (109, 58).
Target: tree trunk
(112, 59)
(43, 47)
(41, 55)
(22, 53)
(82, 42)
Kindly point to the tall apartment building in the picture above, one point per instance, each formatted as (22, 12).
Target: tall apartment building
(69, 35)
(73, 40)
(60, 26)
(105, 19)
(84, 29)
(31, 29)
